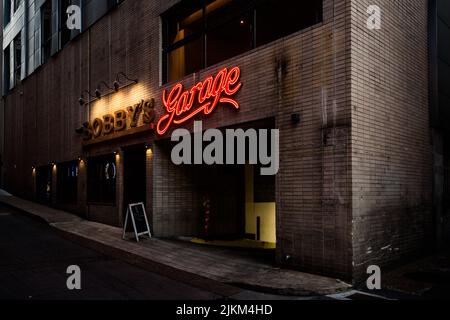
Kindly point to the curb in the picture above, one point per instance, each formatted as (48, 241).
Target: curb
(224, 289)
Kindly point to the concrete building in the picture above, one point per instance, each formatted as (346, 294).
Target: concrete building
(361, 177)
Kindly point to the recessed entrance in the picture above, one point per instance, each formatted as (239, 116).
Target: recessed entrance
(44, 184)
(223, 205)
(134, 182)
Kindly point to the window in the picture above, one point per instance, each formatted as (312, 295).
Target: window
(276, 21)
(6, 12)
(64, 32)
(198, 34)
(102, 172)
(17, 58)
(17, 4)
(6, 69)
(46, 17)
(67, 182)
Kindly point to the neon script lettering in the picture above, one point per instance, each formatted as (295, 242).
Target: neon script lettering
(207, 94)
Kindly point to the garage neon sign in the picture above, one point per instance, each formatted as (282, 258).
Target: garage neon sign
(203, 98)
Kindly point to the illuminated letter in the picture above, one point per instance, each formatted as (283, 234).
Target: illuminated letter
(108, 123)
(149, 111)
(97, 127)
(134, 113)
(232, 79)
(120, 121)
(205, 91)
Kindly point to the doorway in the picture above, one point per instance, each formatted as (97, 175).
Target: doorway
(44, 185)
(135, 177)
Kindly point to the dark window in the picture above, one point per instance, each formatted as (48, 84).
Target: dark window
(202, 33)
(6, 69)
(275, 21)
(64, 32)
(6, 12)
(46, 16)
(67, 182)
(102, 172)
(17, 58)
(229, 31)
(17, 4)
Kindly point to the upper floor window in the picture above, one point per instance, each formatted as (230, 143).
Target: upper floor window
(65, 34)
(6, 70)
(17, 58)
(7, 6)
(46, 25)
(17, 4)
(198, 34)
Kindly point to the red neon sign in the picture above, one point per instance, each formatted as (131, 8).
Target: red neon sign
(207, 94)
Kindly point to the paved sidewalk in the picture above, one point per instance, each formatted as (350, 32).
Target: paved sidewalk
(184, 261)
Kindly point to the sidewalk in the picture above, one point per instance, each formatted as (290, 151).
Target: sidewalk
(216, 270)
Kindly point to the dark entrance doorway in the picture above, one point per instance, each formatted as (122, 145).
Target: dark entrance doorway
(223, 187)
(134, 187)
(44, 185)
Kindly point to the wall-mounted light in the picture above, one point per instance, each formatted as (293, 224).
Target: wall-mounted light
(116, 85)
(122, 80)
(98, 93)
(295, 118)
(82, 101)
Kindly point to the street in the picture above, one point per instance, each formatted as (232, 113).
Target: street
(34, 260)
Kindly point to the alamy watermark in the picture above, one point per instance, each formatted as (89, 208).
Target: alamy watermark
(74, 280)
(73, 17)
(374, 19)
(374, 280)
(229, 148)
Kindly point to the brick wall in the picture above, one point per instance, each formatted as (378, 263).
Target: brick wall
(391, 142)
(358, 163)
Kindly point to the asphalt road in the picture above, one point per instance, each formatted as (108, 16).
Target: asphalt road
(34, 261)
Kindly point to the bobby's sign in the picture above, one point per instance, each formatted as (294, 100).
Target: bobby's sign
(121, 120)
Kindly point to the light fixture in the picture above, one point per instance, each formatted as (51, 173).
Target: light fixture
(82, 101)
(117, 83)
(295, 118)
(98, 93)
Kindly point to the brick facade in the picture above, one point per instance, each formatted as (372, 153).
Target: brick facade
(354, 185)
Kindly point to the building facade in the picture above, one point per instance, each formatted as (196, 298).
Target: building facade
(84, 121)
